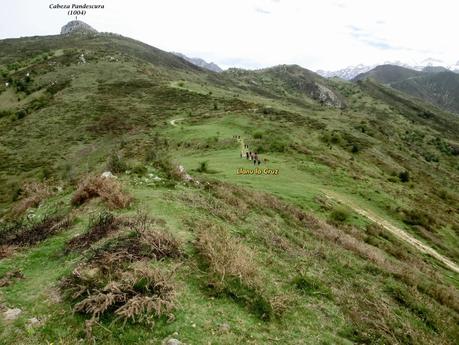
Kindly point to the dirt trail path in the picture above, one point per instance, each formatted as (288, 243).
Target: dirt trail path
(241, 141)
(399, 233)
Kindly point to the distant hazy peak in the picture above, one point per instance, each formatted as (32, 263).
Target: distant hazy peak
(200, 62)
(77, 26)
(351, 72)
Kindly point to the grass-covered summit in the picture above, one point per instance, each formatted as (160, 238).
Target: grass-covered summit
(124, 220)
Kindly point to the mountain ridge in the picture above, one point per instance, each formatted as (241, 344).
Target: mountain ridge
(200, 62)
(350, 72)
(435, 85)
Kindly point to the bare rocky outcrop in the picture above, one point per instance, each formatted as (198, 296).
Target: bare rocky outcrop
(326, 96)
(77, 26)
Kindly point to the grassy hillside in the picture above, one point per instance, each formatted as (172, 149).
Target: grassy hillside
(181, 244)
(388, 74)
(441, 89)
(437, 86)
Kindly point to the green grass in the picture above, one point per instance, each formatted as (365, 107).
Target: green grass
(330, 276)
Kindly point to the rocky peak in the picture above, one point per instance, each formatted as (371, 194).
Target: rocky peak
(75, 26)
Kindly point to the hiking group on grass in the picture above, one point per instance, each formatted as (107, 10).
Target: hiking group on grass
(253, 156)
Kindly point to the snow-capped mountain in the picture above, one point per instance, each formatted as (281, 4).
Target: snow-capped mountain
(455, 67)
(347, 73)
(351, 72)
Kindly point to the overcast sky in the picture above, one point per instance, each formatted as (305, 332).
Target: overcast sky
(321, 34)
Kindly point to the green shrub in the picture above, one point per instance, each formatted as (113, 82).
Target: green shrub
(38, 103)
(203, 167)
(277, 146)
(16, 192)
(336, 138)
(418, 217)
(260, 149)
(168, 169)
(339, 214)
(115, 164)
(267, 110)
(139, 169)
(4, 113)
(21, 86)
(355, 148)
(258, 135)
(311, 286)
(44, 173)
(332, 138)
(20, 114)
(404, 176)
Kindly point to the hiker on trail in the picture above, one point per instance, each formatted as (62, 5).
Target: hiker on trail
(247, 154)
(259, 162)
(255, 158)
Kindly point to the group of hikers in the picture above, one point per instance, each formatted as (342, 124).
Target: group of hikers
(253, 156)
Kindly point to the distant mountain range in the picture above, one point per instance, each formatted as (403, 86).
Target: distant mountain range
(200, 62)
(437, 85)
(351, 72)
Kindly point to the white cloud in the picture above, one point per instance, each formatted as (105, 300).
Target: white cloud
(324, 34)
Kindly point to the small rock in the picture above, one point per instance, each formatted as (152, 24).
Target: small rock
(34, 322)
(173, 341)
(108, 174)
(12, 314)
(183, 174)
(225, 327)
